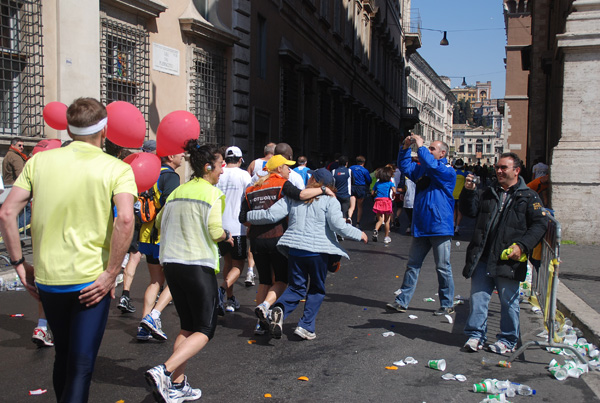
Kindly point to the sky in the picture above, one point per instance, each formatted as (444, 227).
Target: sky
(477, 40)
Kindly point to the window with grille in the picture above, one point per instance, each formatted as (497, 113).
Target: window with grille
(21, 68)
(125, 65)
(208, 85)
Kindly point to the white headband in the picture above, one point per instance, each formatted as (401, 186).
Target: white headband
(86, 131)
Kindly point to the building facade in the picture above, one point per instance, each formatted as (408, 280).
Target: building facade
(326, 77)
(564, 120)
(517, 20)
(477, 144)
(431, 95)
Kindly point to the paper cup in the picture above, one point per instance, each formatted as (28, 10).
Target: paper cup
(440, 365)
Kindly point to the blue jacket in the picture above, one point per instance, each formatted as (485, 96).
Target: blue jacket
(433, 213)
(311, 226)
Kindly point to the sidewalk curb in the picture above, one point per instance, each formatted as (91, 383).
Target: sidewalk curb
(580, 313)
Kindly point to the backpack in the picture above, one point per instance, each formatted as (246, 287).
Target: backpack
(147, 206)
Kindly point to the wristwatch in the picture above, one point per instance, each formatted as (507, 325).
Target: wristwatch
(324, 189)
(227, 234)
(17, 262)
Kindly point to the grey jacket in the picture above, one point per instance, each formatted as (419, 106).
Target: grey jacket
(311, 226)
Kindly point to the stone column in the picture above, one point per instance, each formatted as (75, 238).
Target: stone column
(575, 169)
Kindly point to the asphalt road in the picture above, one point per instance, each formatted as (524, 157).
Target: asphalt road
(346, 362)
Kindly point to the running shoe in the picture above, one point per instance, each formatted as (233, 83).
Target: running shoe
(221, 302)
(125, 305)
(143, 334)
(305, 334)
(395, 306)
(232, 304)
(375, 235)
(276, 327)
(119, 278)
(260, 328)
(500, 347)
(387, 239)
(42, 337)
(262, 313)
(473, 345)
(154, 326)
(249, 278)
(444, 311)
(159, 382)
(185, 394)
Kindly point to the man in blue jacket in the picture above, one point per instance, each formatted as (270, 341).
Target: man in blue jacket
(433, 220)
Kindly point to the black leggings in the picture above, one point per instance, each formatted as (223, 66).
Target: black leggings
(194, 291)
(269, 261)
(77, 333)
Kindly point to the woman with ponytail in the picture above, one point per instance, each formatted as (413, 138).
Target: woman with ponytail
(191, 227)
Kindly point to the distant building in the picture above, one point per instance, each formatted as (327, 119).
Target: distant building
(431, 95)
(477, 144)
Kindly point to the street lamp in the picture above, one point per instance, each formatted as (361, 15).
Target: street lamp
(444, 41)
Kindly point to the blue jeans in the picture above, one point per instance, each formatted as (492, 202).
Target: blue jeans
(77, 333)
(482, 287)
(301, 270)
(441, 253)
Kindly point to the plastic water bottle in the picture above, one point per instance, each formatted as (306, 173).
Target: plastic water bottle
(522, 390)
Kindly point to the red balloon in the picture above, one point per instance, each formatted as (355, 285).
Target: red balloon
(46, 144)
(174, 131)
(55, 115)
(146, 169)
(126, 126)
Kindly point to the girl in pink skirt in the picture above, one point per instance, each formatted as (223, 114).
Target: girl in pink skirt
(383, 192)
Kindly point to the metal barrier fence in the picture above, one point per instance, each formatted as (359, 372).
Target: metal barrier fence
(545, 289)
(24, 222)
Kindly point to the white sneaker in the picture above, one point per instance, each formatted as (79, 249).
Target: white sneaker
(42, 337)
(305, 334)
(249, 278)
(187, 393)
(387, 239)
(160, 382)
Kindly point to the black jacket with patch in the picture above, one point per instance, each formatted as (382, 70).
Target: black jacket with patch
(522, 221)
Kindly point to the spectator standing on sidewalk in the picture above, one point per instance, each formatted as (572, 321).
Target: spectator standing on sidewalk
(433, 220)
(14, 161)
(77, 248)
(509, 215)
(233, 183)
(191, 227)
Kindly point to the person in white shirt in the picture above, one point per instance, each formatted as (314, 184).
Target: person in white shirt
(232, 182)
(257, 167)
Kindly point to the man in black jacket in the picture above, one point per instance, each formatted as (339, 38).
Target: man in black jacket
(509, 217)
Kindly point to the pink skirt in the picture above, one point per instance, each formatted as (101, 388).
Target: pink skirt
(382, 205)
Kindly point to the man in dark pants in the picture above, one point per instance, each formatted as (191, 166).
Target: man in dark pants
(510, 223)
(77, 248)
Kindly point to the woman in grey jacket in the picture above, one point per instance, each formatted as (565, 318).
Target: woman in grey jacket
(309, 243)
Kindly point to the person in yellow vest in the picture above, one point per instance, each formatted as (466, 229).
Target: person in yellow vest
(191, 226)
